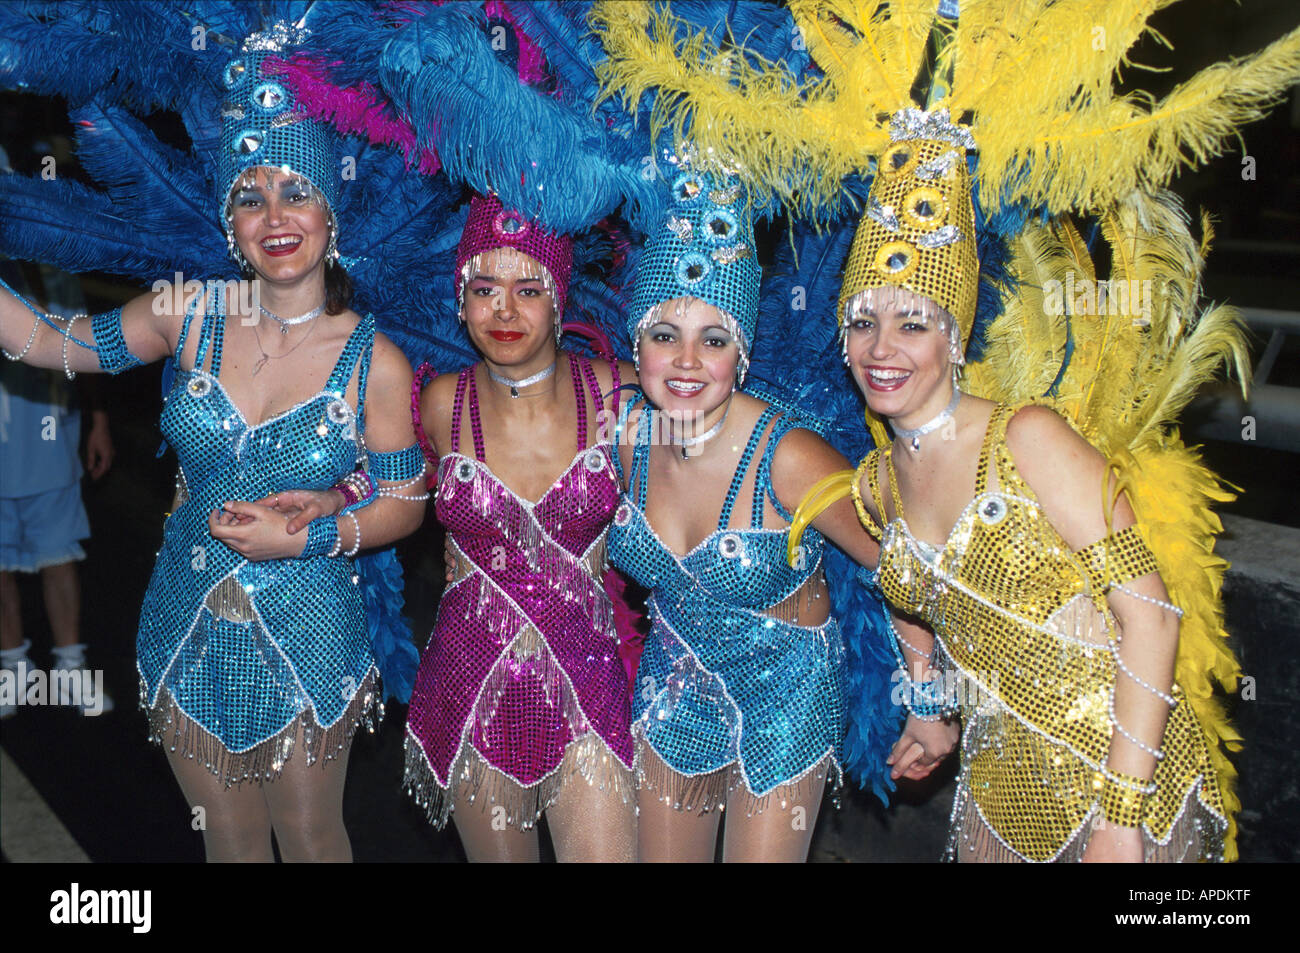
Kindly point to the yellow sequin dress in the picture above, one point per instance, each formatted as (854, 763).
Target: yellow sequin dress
(1022, 628)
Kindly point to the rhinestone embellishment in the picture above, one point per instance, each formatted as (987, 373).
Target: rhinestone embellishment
(199, 387)
(993, 510)
(339, 412)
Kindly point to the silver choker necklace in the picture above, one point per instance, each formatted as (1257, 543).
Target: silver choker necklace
(515, 385)
(707, 435)
(914, 436)
(287, 323)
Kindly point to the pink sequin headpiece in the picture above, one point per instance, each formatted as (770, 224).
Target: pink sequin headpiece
(490, 225)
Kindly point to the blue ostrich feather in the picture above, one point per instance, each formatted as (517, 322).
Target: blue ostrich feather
(543, 158)
(390, 632)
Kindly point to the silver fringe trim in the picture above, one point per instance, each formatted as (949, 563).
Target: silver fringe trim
(228, 600)
(576, 580)
(266, 760)
(701, 793)
(474, 780)
(1197, 834)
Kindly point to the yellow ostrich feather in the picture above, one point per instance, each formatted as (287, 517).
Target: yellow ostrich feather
(1036, 79)
(1103, 146)
(1140, 375)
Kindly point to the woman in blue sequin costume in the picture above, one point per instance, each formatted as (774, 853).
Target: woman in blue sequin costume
(254, 653)
(740, 690)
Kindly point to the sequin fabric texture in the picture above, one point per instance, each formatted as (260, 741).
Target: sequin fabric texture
(722, 682)
(234, 655)
(521, 685)
(1018, 620)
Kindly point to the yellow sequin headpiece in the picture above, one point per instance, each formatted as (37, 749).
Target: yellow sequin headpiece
(918, 229)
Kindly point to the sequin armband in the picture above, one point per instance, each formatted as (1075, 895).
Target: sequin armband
(114, 358)
(1116, 559)
(110, 345)
(1123, 799)
(397, 465)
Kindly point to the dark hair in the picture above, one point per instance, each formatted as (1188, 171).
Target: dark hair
(338, 287)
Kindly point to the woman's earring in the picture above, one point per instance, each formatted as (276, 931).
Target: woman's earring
(233, 247)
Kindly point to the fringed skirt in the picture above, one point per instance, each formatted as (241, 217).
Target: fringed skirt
(171, 728)
(759, 711)
(504, 715)
(266, 660)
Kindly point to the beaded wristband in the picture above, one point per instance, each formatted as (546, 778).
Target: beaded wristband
(1123, 798)
(322, 533)
(926, 699)
(355, 488)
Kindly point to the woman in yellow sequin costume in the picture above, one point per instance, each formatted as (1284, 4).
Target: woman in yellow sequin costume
(1005, 532)
(1091, 712)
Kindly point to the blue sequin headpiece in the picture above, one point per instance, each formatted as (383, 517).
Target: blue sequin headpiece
(703, 248)
(260, 126)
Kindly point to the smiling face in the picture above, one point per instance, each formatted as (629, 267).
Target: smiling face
(900, 353)
(688, 357)
(280, 221)
(509, 308)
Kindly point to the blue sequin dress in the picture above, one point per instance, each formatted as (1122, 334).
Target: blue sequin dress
(234, 655)
(723, 682)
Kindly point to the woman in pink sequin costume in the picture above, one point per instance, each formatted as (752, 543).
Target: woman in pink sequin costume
(521, 703)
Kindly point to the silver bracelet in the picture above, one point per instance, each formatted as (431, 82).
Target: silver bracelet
(31, 339)
(356, 546)
(338, 541)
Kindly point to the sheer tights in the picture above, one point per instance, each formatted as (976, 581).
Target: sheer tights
(303, 807)
(587, 825)
(779, 834)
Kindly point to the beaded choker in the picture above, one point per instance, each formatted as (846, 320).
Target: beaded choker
(913, 437)
(515, 385)
(707, 435)
(287, 323)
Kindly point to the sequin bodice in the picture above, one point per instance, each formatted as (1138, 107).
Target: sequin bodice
(1018, 617)
(726, 679)
(244, 647)
(745, 567)
(523, 662)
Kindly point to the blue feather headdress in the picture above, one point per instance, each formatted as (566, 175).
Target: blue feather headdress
(157, 210)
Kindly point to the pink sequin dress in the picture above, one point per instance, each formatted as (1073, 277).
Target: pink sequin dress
(521, 685)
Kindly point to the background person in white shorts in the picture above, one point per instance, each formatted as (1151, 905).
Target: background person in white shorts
(42, 518)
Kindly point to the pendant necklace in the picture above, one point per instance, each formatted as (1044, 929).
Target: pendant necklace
(267, 357)
(287, 323)
(913, 437)
(515, 385)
